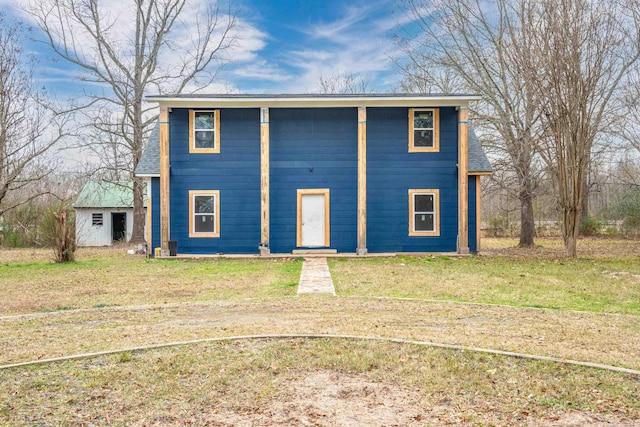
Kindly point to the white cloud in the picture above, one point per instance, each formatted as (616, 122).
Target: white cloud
(353, 44)
(261, 70)
(118, 27)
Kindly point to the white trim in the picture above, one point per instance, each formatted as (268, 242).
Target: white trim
(436, 213)
(215, 214)
(267, 101)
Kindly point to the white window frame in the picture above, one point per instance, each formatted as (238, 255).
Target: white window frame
(435, 129)
(215, 130)
(216, 213)
(436, 212)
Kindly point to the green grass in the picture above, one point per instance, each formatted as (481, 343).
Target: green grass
(115, 279)
(598, 285)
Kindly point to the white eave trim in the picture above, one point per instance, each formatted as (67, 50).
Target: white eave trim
(148, 175)
(325, 102)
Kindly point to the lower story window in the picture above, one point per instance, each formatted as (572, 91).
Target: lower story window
(424, 212)
(204, 213)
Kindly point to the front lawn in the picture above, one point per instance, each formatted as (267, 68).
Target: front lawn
(529, 301)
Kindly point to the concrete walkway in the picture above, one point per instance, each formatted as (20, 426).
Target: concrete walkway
(315, 277)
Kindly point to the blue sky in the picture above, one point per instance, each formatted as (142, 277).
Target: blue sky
(306, 39)
(285, 45)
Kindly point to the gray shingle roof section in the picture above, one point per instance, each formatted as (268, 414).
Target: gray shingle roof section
(478, 161)
(149, 164)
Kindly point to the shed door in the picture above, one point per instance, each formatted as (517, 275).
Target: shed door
(118, 226)
(313, 218)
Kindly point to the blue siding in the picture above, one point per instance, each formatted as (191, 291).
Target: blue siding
(392, 171)
(473, 212)
(155, 214)
(313, 148)
(235, 171)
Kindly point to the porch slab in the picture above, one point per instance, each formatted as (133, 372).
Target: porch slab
(315, 255)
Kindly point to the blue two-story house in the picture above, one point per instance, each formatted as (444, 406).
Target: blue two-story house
(281, 174)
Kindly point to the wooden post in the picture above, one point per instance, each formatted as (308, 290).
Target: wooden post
(478, 219)
(463, 180)
(149, 218)
(362, 181)
(164, 180)
(264, 181)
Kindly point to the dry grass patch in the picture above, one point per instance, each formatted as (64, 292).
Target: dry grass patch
(553, 247)
(594, 337)
(312, 382)
(107, 277)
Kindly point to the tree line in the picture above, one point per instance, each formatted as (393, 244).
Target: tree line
(559, 85)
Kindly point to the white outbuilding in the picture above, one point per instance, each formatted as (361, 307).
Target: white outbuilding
(104, 213)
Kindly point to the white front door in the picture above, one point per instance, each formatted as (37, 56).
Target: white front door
(313, 218)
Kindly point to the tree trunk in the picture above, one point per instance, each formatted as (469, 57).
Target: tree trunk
(586, 189)
(527, 224)
(570, 230)
(137, 234)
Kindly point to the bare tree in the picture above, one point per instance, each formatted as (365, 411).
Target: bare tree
(575, 54)
(628, 99)
(29, 127)
(149, 46)
(465, 43)
(420, 75)
(344, 83)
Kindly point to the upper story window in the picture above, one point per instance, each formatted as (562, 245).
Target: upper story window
(424, 213)
(204, 131)
(204, 213)
(424, 130)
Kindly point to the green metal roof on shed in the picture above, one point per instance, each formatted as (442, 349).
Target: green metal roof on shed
(105, 194)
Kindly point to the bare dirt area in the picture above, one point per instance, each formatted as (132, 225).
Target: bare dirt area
(335, 399)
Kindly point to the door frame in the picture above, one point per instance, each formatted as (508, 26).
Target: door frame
(317, 191)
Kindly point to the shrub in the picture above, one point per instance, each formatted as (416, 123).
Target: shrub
(9, 237)
(590, 226)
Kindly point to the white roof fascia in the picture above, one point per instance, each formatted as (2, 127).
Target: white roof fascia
(310, 102)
